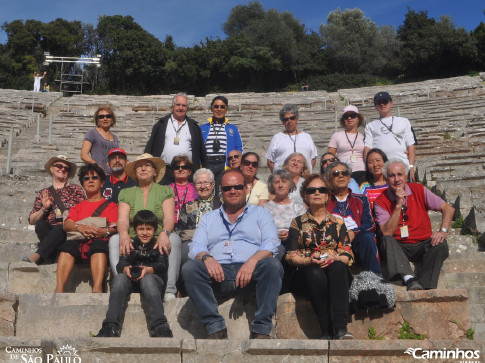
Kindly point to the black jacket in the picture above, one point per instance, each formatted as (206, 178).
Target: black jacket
(156, 143)
(144, 254)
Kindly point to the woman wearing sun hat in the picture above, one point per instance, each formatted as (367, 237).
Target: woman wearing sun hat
(146, 171)
(348, 145)
(49, 205)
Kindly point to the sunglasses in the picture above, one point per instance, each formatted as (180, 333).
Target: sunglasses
(219, 106)
(100, 117)
(351, 115)
(382, 102)
(313, 190)
(329, 161)
(237, 156)
(404, 214)
(336, 173)
(62, 167)
(254, 164)
(227, 188)
(92, 177)
(183, 167)
(292, 118)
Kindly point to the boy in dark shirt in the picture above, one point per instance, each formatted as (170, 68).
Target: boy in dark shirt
(144, 270)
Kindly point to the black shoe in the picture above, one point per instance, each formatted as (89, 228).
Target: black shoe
(343, 335)
(413, 284)
(163, 332)
(107, 332)
(221, 334)
(26, 259)
(326, 337)
(259, 336)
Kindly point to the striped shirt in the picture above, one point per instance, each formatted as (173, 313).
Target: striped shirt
(217, 132)
(372, 192)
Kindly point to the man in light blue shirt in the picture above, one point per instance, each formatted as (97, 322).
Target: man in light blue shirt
(232, 247)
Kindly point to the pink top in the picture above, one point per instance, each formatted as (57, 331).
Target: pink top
(433, 202)
(346, 145)
(183, 194)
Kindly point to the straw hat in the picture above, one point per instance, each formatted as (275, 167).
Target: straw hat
(64, 159)
(157, 162)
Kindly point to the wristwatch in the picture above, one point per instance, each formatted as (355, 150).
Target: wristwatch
(443, 229)
(75, 227)
(167, 232)
(205, 257)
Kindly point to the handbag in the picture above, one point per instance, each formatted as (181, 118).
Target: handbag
(95, 220)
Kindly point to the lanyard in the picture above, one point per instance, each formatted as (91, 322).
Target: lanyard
(355, 140)
(294, 141)
(226, 223)
(180, 204)
(387, 127)
(177, 131)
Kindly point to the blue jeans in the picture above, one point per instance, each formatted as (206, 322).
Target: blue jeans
(267, 275)
(364, 245)
(151, 287)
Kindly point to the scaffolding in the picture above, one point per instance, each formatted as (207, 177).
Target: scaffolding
(70, 83)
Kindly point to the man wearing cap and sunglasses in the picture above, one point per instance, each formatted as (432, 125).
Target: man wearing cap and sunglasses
(117, 180)
(232, 247)
(391, 134)
(402, 213)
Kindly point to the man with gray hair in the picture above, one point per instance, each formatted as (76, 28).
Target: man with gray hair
(402, 212)
(176, 134)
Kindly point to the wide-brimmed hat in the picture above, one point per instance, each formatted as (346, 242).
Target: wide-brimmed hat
(64, 159)
(157, 162)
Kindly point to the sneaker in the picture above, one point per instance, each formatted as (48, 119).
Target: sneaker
(169, 296)
(344, 335)
(259, 336)
(413, 284)
(107, 332)
(221, 334)
(163, 332)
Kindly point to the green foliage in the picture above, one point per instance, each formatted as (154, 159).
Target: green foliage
(406, 332)
(333, 82)
(469, 334)
(458, 223)
(447, 136)
(372, 335)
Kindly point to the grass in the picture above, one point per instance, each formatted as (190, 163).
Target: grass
(458, 223)
(406, 332)
(447, 136)
(469, 334)
(371, 333)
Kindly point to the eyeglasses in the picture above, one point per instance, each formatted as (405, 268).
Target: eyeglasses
(227, 188)
(203, 184)
(141, 165)
(382, 102)
(351, 115)
(292, 118)
(336, 173)
(64, 168)
(254, 164)
(237, 156)
(183, 167)
(404, 214)
(329, 161)
(313, 190)
(219, 106)
(100, 117)
(92, 177)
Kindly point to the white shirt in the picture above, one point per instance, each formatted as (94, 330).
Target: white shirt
(184, 146)
(282, 145)
(378, 135)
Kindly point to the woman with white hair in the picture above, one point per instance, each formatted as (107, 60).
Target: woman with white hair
(289, 141)
(191, 212)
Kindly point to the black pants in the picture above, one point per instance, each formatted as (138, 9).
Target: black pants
(429, 259)
(50, 238)
(325, 287)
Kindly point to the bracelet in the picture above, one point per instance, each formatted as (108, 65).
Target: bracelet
(411, 166)
(44, 210)
(107, 232)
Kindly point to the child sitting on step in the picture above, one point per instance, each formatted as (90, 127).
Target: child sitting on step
(143, 270)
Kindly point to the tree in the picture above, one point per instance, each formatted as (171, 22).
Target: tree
(478, 36)
(355, 44)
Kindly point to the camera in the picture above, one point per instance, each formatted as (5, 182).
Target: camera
(216, 145)
(135, 272)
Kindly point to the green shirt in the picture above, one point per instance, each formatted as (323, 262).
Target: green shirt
(156, 196)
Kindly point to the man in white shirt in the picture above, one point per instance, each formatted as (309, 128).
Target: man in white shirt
(391, 134)
(176, 134)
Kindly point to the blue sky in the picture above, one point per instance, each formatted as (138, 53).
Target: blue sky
(191, 21)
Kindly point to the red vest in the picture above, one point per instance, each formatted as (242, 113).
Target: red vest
(419, 224)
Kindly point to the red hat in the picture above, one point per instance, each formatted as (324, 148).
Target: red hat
(116, 150)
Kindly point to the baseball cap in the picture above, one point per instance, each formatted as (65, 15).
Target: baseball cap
(382, 96)
(350, 108)
(116, 150)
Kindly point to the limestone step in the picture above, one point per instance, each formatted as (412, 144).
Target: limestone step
(437, 314)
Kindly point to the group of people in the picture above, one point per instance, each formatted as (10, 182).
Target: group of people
(190, 215)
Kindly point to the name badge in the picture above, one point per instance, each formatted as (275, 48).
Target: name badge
(404, 232)
(176, 140)
(228, 247)
(353, 158)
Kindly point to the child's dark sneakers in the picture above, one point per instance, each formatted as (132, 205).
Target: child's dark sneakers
(107, 331)
(163, 332)
(413, 284)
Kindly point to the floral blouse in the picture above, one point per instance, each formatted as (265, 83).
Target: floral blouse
(308, 238)
(192, 212)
